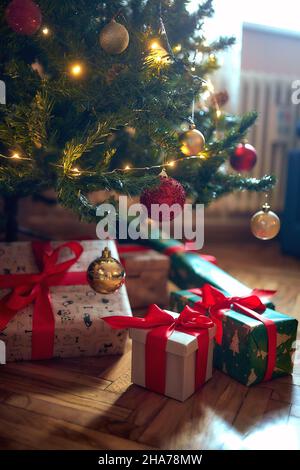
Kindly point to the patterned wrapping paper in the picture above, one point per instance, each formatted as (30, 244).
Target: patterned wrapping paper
(189, 270)
(78, 310)
(243, 353)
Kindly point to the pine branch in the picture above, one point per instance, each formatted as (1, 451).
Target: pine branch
(76, 148)
(226, 145)
(123, 110)
(38, 118)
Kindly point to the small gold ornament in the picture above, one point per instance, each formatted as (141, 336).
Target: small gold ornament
(192, 142)
(265, 224)
(114, 38)
(105, 275)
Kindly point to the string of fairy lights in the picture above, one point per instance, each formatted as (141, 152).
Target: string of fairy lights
(114, 39)
(159, 56)
(78, 172)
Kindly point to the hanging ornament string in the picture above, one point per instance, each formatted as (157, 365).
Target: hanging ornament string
(192, 142)
(193, 110)
(196, 78)
(164, 33)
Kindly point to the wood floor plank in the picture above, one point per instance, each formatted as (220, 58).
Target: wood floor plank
(163, 429)
(53, 376)
(215, 410)
(46, 405)
(286, 393)
(108, 420)
(53, 433)
(252, 409)
(33, 387)
(90, 403)
(276, 412)
(121, 384)
(147, 408)
(3, 394)
(118, 368)
(90, 366)
(170, 427)
(295, 411)
(12, 444)
(290, 379)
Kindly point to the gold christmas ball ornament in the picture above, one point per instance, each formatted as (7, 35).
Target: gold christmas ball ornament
(192, 142)
(114, 38)
(265, 224)
(105, 275)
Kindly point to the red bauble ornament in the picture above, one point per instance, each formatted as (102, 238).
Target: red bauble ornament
(169, 192)
(244, 157)
(24, 16)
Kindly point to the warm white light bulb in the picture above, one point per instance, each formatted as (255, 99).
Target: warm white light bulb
(76, 70)
(45, 31)
(178, 48)
(16, 156)
(155, 45)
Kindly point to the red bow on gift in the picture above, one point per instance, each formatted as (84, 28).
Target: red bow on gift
(34, 288)
(162, 325)
(216, 303)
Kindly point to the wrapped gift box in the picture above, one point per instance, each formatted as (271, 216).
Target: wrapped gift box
(243, 351)
(181, 352)
(78, 329)
(190, 269)
(147, 273)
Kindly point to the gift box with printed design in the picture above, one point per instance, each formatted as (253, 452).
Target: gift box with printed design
(253, 343)
(190, 269)
(147, 274)
(47, 309)
(171, 354)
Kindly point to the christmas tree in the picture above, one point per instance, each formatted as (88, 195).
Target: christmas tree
(100, 96)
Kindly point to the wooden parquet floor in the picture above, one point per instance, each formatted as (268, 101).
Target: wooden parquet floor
(90, 403)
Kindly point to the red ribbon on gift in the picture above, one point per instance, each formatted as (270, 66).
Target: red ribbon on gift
(216, 303)
(34, 288)
(162, 325)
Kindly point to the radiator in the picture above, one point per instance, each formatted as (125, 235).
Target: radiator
(273, 136)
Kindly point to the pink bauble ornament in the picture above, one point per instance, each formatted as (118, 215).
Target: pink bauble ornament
(24, 16)
(169, 192)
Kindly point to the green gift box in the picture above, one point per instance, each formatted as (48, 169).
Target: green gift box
(189, 270)
(243, 352)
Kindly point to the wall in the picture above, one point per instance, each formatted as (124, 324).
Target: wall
(270, 50)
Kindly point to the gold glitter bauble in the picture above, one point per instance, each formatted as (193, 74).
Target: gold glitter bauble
(265, 224)
(105, 275)
(192, 142)
(114, 38)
